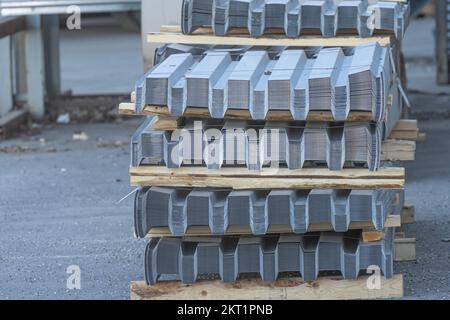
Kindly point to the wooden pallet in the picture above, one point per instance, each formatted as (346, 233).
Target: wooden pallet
(328, 288)
(242, 178)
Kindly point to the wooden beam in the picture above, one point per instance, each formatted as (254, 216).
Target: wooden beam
(372, 235)
(240, 37)
(405, 249)
(242, 178)
(243, 32)
(398, 150)
(329, 288)
(408, 215)
(407, 130)
(197, 231)
(406, 125)
(405, 135)
(165, 123)
(127, 108)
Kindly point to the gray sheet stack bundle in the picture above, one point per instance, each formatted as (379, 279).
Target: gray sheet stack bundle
(314, 112)
(297, 145)
(297, 17)
(262, 212)
(298, 82)
(229, 257)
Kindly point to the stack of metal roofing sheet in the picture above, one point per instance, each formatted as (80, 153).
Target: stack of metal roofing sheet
(328, 17)
(191, 258)
(261, 83)
(259, 210)
(295, 81)
(257, 145)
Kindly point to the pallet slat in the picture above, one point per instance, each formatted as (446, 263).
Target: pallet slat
(405, 249)
(172, 34)
(200, 231)
(241, 178)
(408, 214)
(284, 289)
(127, 109)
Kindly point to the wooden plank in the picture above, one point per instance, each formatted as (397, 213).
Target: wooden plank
(127, 109)
(392, 145)
(202, 113)
(316, 173)
(165, 123)
(372, 236)
(241, 178)
(197, 231)
(398, 156)
(243, 32)
(405, 249)
(406, 129)
(12, 25)
(406, 125)
(405, 135)
(240, 183)
(10, 123)
(398, 150)
(266, 40)
(408, 215)
(329, 288)
(272, 37)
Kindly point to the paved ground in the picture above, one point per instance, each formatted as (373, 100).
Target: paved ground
(428, 188)
(58, 206)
